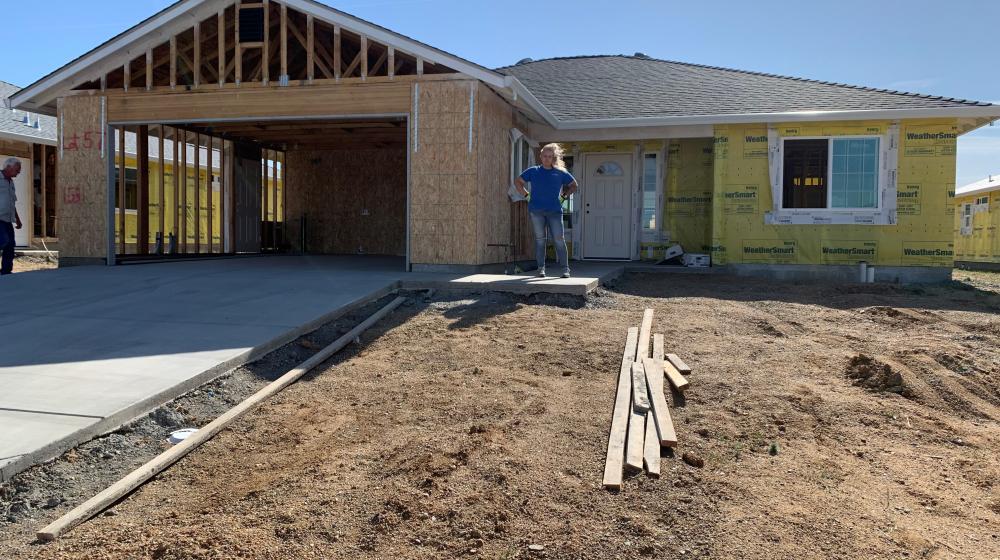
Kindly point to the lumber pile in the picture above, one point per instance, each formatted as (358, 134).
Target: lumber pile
(641, 424)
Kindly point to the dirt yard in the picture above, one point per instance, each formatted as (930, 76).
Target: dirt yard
(834, 422)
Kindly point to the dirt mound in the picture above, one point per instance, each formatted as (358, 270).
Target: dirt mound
(875, 376)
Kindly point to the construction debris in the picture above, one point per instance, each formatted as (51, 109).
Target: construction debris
(641, 424)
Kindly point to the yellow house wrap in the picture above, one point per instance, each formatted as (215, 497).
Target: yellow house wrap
(921, 235)
(977, 223)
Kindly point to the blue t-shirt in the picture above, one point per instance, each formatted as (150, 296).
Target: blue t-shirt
(545, 187)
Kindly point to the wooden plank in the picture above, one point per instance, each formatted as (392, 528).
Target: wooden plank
(211, 193)
(237, 49)
(133, 480)
(126, 75)
(614, 462)
(177, 189)
(274, 202)
(183, 171)
(214, 104)
(173, 61)
(635, 447)
(420, 66)
(658, 347)
(644, 333)
(197, 192)
(651, 449)
(44, 194)
(221, 36)
(163, 191)
(149, 69)
(196, 65)
(675, 377)
(223, 197)
(679, 364)
(392, 62)
(265, 60)
(310, 49)
(640, 395)
(337, 62)
(364, 56)
(121, 188)
(142, 190)
(284, 42)
(660, 412)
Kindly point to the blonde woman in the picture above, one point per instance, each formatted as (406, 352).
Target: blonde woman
(549, 183)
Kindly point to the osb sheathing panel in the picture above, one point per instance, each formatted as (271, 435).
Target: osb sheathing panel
(82, 187)
(443, 175)
(494, 118)
(355, 200)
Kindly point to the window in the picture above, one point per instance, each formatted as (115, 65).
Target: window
(966, 219)
(131, 189)
(650, 193)
(832, 173)
(611, 169)
(521, 158)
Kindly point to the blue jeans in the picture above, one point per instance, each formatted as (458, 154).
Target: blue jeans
(539, 220)
(6, 247)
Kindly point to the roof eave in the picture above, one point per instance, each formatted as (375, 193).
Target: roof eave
(990, 112)
(5, 135)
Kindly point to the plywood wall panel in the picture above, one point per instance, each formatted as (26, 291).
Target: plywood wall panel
(353, 199)
(494, 118)
(443, 213)
(82, 189)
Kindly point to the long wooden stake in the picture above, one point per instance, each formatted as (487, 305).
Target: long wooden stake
(137, 477)
(615, 459)
(644, 333)
(660, 413)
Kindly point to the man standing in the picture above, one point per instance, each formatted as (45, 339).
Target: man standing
(8, 214)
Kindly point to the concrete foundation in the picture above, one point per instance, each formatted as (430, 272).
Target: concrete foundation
(841, 274)
(973, 265)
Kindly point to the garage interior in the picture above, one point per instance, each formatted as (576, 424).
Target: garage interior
(316, 186)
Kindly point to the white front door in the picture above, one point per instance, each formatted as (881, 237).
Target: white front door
(607, 207)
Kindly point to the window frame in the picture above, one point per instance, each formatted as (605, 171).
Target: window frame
(647, 235)
(885, 212)
(829, 174)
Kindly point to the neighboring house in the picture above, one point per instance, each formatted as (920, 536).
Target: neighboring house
(977, 224)
(388, 145)
(31, 138)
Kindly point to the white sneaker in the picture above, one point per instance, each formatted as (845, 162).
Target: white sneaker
(565, 274)
(541, 274)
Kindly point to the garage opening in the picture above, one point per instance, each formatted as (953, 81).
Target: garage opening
(302, 186)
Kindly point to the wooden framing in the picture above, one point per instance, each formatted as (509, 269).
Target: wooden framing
(121, 189)
(365, 58)
(274, 205)
(211, 196)
(197, 192)
(183, 200)
(142, 188)
(163, 191)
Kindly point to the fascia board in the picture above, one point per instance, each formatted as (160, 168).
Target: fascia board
(972, 190)
(990, 111)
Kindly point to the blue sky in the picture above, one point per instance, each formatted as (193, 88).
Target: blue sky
(941, 48)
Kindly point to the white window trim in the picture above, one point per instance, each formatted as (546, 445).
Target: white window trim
(647, 236)
(883, 214)
(516, 165)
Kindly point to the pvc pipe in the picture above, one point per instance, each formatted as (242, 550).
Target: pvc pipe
(134, 479)
(863, 272)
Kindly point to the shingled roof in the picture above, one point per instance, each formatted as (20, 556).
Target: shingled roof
(617, 86)
(12, 123)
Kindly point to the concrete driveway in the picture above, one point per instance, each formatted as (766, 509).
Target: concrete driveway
(86, 349)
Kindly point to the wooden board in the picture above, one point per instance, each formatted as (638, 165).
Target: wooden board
(679, 364)
(658, 347)
(635, 448)
(494, 120)
(675, 377)
(640, 395)
(320, 100)
(660, 412)
(614, 462)
(644, 332)
(651, 451)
